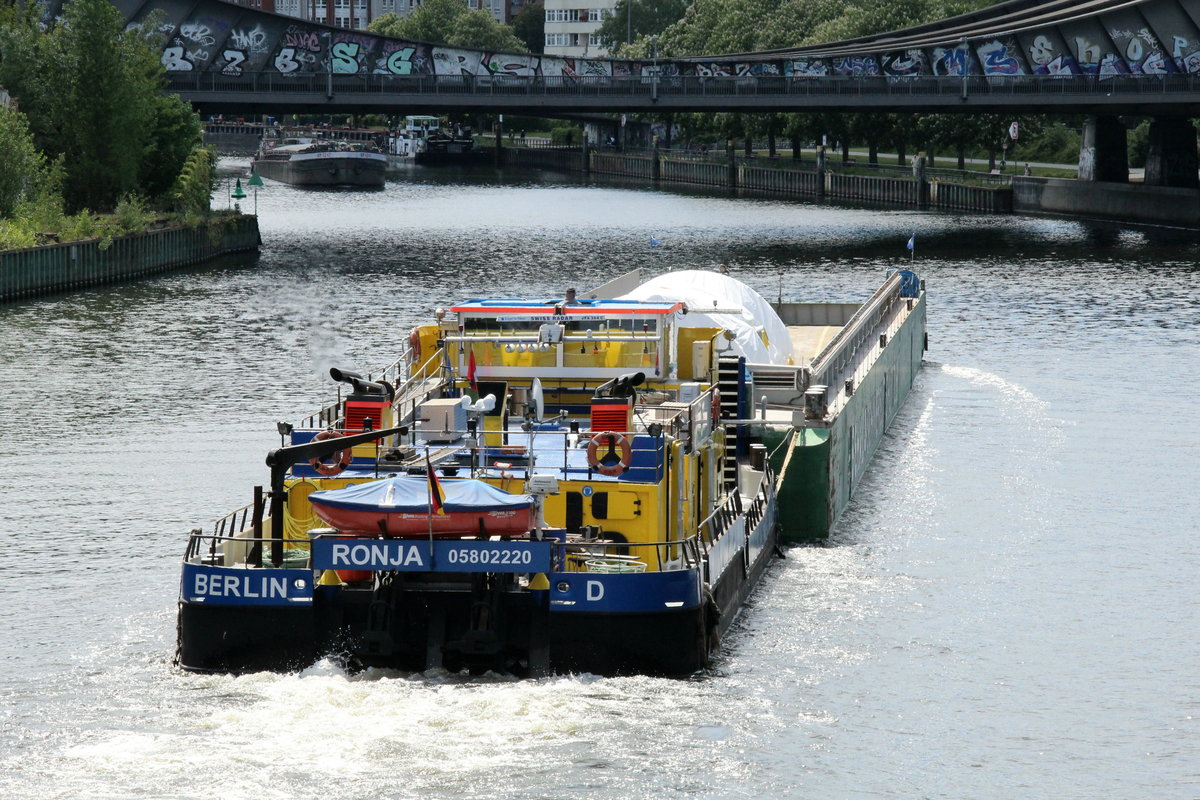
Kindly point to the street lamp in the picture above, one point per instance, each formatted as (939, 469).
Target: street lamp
(328, 37)
(654, 72)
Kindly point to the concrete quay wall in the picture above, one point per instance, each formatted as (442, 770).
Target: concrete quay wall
(1120, 202)
(781, 177)
(63, 267)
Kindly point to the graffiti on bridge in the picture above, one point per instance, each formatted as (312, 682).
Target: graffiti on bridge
(1159, 38)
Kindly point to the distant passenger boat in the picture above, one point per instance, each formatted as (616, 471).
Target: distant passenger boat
(316, 162)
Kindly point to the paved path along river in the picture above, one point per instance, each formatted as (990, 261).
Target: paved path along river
(1008, 608)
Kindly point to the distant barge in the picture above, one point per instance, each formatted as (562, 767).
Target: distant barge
(316, 162)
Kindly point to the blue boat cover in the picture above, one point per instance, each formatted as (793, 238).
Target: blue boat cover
(410, 494)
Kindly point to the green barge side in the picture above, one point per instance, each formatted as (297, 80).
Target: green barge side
(823, 420)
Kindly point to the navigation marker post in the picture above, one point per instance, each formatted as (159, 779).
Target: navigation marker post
(238, 194)
(255, 182)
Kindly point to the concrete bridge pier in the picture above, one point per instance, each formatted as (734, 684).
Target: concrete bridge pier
(1171, 159)
(1103, 154)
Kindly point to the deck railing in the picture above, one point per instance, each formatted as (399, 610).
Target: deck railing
(842, 348)
(1016, 87)
(407, 382)
(567, 556)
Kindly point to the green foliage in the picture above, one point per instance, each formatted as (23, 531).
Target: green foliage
(1056, 143)
(196, 183)
(133, 214)
(1138, 143)
(22, 164)
(81, 225)
(174, 133)
(529, 25)
(712, 27)
(105, 104)
(92, 91)
(641, 18)
(450, 22)
(566, 135)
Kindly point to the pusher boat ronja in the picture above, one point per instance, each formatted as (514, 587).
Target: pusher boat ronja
(551, 485)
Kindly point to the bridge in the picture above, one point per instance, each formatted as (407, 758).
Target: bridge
(1087, 56)
(1095, 57)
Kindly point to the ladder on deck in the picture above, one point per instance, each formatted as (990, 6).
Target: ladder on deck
(729, 372)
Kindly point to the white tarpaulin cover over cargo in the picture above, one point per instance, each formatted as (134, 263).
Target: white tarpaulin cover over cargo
(761, 335)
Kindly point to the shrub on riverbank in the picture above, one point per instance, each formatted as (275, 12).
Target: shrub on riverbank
(31, 197)
(96, 148)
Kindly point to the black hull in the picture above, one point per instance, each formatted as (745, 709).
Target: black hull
(241, 639)
(231, 639)
(418, 621)
(325, 172)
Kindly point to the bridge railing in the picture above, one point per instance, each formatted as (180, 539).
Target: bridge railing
(716, 86)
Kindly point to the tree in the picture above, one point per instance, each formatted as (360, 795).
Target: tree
(174, 132)
(93, 93)
(529, 25)
(24, 50)
(104, 103)
(193, 188)
(450, 22)
(22, 162)
(641, 17)
(713, 27)
(477, 29)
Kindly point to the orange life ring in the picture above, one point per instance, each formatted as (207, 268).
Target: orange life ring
(414, 343)
(341, 458)
(716, 407)
(610, 463)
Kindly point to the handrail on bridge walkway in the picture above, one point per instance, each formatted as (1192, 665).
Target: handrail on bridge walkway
(1113, 94)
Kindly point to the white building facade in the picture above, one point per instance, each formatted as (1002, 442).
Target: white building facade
(572, 25)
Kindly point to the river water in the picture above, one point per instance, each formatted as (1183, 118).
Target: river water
(1007, 609)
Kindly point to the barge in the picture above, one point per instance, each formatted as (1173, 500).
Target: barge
(321, 162)
(589, 484)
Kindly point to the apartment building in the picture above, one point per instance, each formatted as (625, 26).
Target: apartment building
(572, 25)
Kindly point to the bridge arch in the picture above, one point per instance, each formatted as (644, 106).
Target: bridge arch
(1099, 56)
(1103, 38)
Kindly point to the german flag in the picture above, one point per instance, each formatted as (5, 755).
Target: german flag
(437, 497)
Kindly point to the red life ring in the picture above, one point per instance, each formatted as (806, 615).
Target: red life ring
(716, 407)
(341, 458)
(605, 464)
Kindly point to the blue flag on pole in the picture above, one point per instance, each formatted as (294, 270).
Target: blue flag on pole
(654, 242)
(912, 242)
